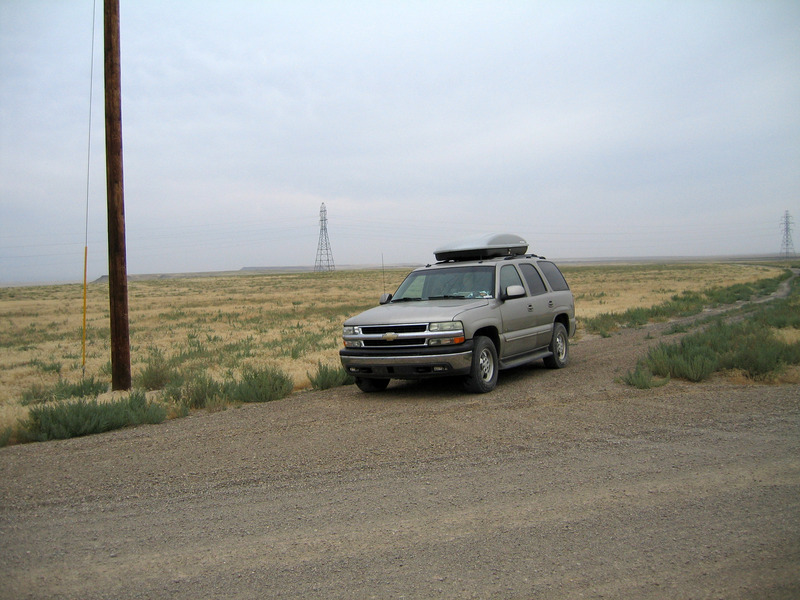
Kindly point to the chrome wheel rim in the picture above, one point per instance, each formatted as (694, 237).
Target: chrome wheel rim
(486, 365)
(561, 347)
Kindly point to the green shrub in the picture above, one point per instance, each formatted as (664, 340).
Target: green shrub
(682, 305)
(764, 287)
(676, 328)
(82, 389)
(642, 378)
(781, 314)
(603, 323)
(36, 394)
(695, 367)
(329, 376)
(195, 350)
(659, 360)
(201, 390)
(62, 390)
(5, 436)
(637, 317)
(157, 373)
(66, 419)
(748, 345)
(758, 362)
(682, 360)
(259, 385)
(51, 367)
(173, 392)
(731, 294)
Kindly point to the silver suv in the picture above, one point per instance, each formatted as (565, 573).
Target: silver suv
(486, 305)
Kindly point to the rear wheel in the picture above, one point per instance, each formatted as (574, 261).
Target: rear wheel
(371, 385)
(559, 346)
(483, 374)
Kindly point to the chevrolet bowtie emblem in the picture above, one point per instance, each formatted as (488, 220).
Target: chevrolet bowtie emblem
(390, 336)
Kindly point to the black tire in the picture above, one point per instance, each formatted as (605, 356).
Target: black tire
(559, 346)
(371, 385)
(483, 373)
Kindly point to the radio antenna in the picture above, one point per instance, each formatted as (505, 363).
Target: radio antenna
(383, 272)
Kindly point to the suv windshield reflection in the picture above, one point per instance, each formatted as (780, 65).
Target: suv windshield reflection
(447, 283)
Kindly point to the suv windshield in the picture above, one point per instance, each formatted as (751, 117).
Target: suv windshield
(452, 282)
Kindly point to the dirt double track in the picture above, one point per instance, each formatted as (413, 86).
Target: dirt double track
(559, 484)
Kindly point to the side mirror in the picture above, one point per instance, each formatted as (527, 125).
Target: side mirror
(385, 298)
(513, 291)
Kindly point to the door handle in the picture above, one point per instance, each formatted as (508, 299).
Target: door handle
(550, 303)
(530, 307)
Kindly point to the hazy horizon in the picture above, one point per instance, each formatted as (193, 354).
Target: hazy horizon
(256, 269)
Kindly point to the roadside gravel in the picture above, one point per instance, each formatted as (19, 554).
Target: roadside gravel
(559, 484)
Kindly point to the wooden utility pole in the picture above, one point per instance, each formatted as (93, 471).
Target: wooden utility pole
(117, 268)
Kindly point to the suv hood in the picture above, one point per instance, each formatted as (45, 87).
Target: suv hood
(425, 311)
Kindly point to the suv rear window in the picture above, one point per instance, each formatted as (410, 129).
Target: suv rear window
(533, 278)
(554, 276)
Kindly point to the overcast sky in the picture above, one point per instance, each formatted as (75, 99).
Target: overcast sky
(592, 129)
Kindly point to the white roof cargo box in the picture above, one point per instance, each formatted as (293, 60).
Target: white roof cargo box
(486, 246)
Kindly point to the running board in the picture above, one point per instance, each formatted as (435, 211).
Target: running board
(522, 359)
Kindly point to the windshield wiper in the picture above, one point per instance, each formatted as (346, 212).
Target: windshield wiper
(447, 297)
(406, 299)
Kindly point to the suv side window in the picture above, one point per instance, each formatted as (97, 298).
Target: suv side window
(535, 283)
(554, 276)
(508, 276)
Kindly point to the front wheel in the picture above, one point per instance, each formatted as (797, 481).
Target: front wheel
(559, 346)
(482, 377)
(371, 385)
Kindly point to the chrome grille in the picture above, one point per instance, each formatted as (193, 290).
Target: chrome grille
(381, 329)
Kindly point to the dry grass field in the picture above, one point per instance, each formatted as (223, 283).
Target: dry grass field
(220, 325)
(618, 287)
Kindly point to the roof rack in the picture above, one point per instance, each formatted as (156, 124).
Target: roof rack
(487, 246)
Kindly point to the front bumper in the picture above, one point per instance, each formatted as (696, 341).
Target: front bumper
(417, 364)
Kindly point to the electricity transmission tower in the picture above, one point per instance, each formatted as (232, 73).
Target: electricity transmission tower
(787, 247)
(324, 260)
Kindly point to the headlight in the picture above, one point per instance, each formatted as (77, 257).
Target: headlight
(349, 330)
(446, 326)
(455, 326)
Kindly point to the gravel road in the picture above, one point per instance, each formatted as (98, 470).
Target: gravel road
(559, 484)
